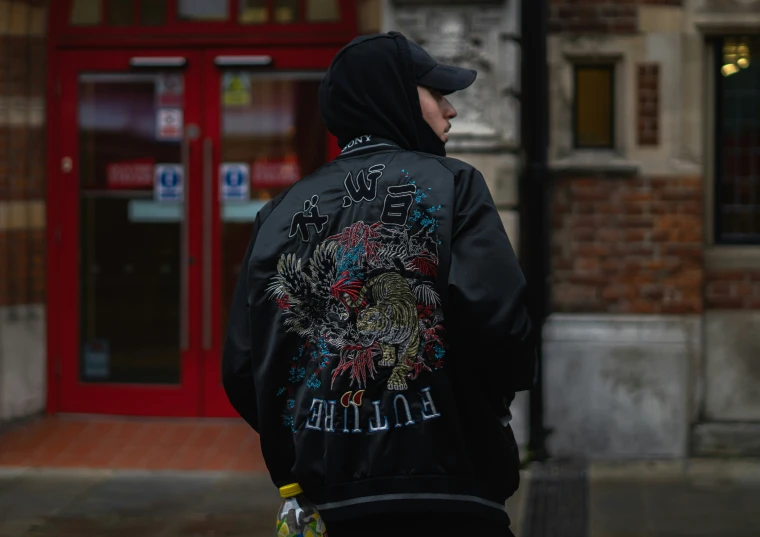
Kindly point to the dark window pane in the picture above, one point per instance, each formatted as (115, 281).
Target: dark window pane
(323, 10)
(203, 10)
(131, 277)
(286, 11)
(86, 13)
(737, 185)
(253, 12)
(153, 12)
(594, 103)
(120, 12)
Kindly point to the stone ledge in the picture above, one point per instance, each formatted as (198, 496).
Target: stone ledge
(732, 257)
(726, 440)
(674, 470)
(594, 162)
(620, 329)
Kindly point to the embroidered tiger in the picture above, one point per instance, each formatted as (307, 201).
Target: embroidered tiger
(392, 322)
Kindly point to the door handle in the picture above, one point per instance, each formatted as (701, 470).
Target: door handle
(185, 259)
(208, 210)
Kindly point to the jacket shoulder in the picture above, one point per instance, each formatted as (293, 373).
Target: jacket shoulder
(457, 167)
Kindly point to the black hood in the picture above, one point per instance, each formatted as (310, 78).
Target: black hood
(371, 89)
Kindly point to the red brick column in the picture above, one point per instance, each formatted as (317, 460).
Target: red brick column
(648, 104)
(22, 153)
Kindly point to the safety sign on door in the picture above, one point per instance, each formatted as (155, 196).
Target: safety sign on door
(235, 181)
(170, 89)
(169, 126)
(236, 89)
(169, 182)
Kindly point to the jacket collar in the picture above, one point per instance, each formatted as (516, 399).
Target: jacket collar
(367, 144)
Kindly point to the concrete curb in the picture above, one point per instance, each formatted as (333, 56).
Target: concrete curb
(9, 472)
(737, 470)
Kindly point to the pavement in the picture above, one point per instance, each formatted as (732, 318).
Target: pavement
(690, 498)
(711, 498)
(113, 477)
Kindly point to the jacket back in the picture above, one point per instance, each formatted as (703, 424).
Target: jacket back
(378, 331)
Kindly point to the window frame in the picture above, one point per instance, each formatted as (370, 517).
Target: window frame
(716, 46)
(611, 68)
(191, 32)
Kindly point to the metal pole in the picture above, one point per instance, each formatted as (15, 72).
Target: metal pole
(534, 189)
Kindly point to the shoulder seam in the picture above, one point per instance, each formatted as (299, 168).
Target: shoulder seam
(435, 158)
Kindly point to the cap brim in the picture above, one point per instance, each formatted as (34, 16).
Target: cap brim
(447, 78)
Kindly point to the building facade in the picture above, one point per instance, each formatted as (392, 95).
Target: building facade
(651, 350)
(119, 240)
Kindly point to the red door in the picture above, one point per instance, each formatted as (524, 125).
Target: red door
(165, 159)
(128, 203)
(263, 118)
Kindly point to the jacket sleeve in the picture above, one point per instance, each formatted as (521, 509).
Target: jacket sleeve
(237, 366)
(487, 295)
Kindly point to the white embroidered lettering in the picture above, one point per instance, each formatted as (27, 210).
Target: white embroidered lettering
(409, 420)
(315, 418)
(330, 417)
(428, 406)
(373, 428)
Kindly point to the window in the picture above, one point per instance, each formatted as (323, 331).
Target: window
(593, 110)
(288, 11)
(86, 13)
(322, 11)
(120, 13)
(153, 12)
(737, 147)
(203, 10)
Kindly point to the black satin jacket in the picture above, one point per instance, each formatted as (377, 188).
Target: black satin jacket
(377, 330)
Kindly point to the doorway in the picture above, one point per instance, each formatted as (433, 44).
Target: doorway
(165, 160)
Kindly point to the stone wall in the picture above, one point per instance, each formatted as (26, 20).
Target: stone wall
(599, 16)
(632, 234)
(620, 386)
(22, 207)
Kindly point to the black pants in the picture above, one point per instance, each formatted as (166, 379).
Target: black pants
(422, 525)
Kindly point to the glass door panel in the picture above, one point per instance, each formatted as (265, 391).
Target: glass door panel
(276, 135)
(131, 274)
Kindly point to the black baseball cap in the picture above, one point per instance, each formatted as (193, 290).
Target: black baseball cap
(438, 76)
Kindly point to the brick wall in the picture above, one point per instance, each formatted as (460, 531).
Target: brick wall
(22, 152)
(627, 245)
(732, 289)
(599, 16)
(648, 104)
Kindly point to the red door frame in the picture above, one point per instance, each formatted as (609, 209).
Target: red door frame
(135, 399)
(200, 392)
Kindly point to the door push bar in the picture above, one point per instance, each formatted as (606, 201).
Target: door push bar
(158, 61)
(243, 61)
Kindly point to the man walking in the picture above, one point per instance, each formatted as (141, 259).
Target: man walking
(378, 332)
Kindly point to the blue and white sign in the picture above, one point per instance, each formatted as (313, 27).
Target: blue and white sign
(235, 181)
(169, 182)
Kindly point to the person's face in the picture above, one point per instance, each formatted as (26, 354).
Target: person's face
(437, 111)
